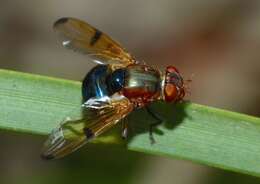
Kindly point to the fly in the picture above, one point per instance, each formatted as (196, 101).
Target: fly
(111, 90)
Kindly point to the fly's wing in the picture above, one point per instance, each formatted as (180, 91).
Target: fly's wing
(82, 37)
(100, 115)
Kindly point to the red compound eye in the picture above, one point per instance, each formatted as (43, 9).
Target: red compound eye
(170, 92)
(171, 69)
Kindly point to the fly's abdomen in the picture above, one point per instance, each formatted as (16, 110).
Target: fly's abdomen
(94, 84)
(116, 80)
(101, 81)
(142, 83)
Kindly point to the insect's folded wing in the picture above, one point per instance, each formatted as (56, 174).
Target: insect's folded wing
(98, 117)
(82, 37)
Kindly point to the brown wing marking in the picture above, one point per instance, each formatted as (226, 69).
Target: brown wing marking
(99, 116)
(82, 37)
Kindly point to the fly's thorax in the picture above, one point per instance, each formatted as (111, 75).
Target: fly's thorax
(142, 84)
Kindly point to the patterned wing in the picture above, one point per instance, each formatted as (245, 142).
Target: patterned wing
(99, 116)
(82, 37)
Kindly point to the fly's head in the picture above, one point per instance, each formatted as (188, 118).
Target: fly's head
(173, 88)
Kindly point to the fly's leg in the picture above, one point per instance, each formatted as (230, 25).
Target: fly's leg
(124, 133)
(159, 121)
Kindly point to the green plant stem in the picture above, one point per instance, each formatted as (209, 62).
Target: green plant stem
(36, 104)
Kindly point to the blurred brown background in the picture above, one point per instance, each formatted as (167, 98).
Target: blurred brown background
(216, 43)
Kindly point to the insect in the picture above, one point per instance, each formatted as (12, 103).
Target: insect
(111, 90)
